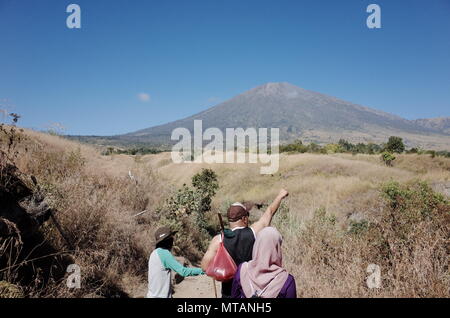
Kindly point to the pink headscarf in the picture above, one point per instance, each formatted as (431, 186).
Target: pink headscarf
(264, 271)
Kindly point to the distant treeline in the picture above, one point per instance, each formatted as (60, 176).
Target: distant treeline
(132, 151)
(394, 145)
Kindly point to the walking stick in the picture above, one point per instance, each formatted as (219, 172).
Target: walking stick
(215, 290)
(223, 231)
(221, 222)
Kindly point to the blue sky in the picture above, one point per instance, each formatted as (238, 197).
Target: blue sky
(136, 64)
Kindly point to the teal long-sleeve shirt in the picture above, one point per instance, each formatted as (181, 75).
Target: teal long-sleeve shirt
(169, 262)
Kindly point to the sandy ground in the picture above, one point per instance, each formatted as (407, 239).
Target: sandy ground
(196, 287)
(189, 287)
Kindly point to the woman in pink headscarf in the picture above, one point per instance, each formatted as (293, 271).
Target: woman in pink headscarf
(264, 276)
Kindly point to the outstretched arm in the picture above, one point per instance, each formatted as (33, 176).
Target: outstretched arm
(169, 262)
(210, 253)
(266, 218)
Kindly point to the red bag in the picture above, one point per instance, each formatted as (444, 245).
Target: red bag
(223, 267)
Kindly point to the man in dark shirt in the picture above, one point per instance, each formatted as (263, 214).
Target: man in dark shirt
(239, 242)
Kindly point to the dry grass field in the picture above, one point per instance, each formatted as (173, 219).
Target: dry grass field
(335, 222)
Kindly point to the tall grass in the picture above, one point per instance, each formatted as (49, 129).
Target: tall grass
(408, 239)
(343, 214)
(95, 211)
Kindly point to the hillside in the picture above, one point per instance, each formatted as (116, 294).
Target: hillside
(324, 222)
(440, 124)
(299, 113)
(80, 208)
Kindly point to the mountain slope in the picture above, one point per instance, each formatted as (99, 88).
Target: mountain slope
(299, 113)
(440, 124)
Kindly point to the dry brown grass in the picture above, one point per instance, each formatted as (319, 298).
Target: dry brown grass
(342, 183)
(325, 260)
(410, 246)
(96, 201)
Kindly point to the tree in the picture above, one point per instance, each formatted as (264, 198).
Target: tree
(361, 148)
(373, 148)
(395, 144)
(346, 146)
(313, 147)
(296, 146)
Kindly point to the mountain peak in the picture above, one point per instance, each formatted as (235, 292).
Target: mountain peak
(282, 89)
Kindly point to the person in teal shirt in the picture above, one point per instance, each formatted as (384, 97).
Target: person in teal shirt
(162, 262)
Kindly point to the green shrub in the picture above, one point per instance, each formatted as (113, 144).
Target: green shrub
(321, 216)
(185, 212)
(141, 151)
(432, 153)
(313, 147)
(297, 146)
(206, 184)
(415, 202)
(332, 148)
(358, 227)
(387, 158)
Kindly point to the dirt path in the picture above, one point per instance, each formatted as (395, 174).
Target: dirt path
(196, 287)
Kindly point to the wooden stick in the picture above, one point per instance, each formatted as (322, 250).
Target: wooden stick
(140, 213)
(221, 222)
(215, 290)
